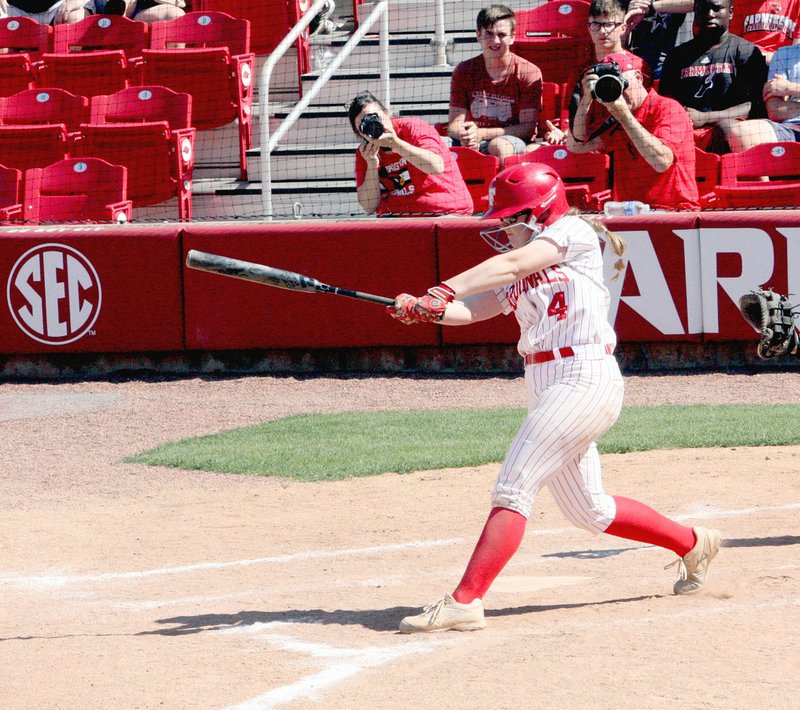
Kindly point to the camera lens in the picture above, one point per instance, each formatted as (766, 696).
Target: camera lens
(608, 88)
(371, 126)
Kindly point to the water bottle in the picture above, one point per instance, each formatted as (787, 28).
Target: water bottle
(629, 207)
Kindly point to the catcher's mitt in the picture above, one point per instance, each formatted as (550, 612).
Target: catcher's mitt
(772, 317)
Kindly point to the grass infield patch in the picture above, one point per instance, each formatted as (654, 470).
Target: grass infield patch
(338, 446)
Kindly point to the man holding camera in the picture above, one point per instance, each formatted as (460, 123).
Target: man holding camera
(717, 76)
(403, 168)
(649, 136)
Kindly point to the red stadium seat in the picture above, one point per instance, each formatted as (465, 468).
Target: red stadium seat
(268, 24)
(25, 147)
(766, 175)
(10, 206)
(77, 189)
(586, 176)
(707, 171)
(23, 34)
(16, 73)
(551, 108)
(214, 66)
(44, 106)
(565, 18)
(478, 171)
(102, 32)
(85, 73)
(560, 59)
(546, 35)
(148, 130)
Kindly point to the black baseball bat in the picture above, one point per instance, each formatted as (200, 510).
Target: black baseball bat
(269, 275)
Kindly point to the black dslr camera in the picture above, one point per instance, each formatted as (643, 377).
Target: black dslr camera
(371, 126)
(610, 84)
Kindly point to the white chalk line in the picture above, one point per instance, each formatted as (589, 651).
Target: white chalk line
(341, 663)
(59, 580)
(348, 662)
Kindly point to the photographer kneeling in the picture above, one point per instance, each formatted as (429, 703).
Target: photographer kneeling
(649, 136)
(403, 168)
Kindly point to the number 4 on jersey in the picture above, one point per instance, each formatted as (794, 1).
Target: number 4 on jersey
(558, 306)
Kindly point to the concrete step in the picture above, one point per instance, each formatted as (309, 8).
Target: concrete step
(418, 15)
(407, 85)
(405, 51)
(329, 124)
(226, 198)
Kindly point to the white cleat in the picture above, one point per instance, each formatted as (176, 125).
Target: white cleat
(446, 614)
(693, 567)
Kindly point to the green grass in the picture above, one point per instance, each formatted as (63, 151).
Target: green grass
(338, 446)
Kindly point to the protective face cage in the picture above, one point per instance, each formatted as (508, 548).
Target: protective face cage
(501, 238)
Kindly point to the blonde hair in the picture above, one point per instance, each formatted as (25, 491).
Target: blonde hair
(617, 243)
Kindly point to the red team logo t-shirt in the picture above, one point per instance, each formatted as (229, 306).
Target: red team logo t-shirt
(406, 189)
(768, 23)
(492, 104)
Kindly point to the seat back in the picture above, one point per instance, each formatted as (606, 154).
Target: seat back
(767, 175)
(777, 161)
(25, 147)
(552, 19)
(23, 34)
(102, 32)
(204, 74)
(141, 104)
(560, 59)
(43, 106)
(84, 73)
(587, 176)
(159, 168)
(16, 73)
(478, 171)
(706, 171)
(74, 189)
(202, 29)
(551, 108)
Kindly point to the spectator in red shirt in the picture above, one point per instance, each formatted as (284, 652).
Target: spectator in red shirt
(767, 23)
(495, 96)
(649, 137)
(403, 167)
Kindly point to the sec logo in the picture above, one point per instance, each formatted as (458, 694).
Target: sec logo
(54, 294)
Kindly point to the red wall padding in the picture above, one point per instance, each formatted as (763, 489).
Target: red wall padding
(383, 257)
(460, 247)
(95, 289)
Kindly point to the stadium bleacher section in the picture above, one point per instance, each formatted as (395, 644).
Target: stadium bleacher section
(216, 174)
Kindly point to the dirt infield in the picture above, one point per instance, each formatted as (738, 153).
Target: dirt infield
(124, 586)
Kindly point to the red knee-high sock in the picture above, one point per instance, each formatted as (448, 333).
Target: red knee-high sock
(501, 536)
(636, 521)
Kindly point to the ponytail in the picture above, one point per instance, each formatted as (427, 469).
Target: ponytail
(616, 242)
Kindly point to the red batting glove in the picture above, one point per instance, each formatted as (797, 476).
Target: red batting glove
(403, 309)
(433, 304)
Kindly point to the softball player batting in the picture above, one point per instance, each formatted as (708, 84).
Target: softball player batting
(549, 273)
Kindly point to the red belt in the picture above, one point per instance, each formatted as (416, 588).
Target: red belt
(548, 355)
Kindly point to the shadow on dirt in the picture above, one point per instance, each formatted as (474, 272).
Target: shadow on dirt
(776, 541)
(373, 619)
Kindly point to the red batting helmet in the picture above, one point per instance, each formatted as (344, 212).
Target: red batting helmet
(533, 187)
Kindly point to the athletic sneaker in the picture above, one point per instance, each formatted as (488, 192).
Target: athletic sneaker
(693, 567)
(446, 614)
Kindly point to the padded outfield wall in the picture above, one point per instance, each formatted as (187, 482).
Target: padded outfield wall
(101, 290)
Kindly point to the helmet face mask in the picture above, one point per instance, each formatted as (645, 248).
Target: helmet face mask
(534, 188)
(507, 236)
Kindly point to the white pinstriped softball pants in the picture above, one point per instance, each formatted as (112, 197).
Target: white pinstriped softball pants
(571, 402)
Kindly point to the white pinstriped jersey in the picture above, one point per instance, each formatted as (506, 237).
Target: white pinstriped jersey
(566, 304)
